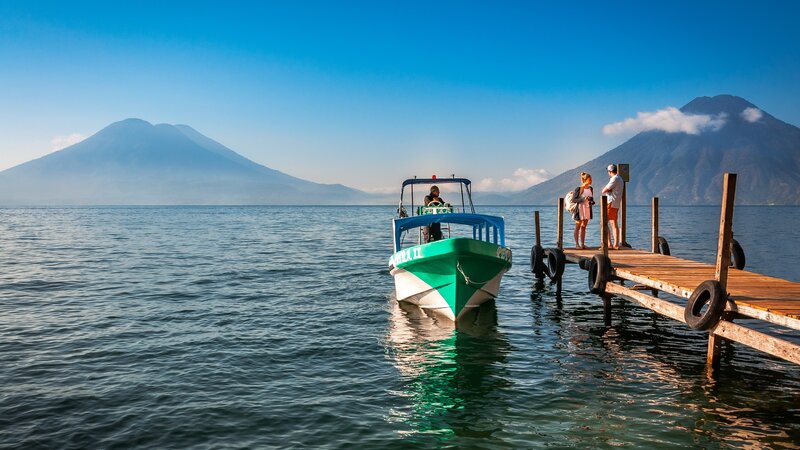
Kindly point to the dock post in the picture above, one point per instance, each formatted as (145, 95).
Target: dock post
(654, 226)
(560, 238)
(654, 235)
(723, 261)
(624, 213)
(604, 247)
(604, 224)
(712, 358)
(725, 226)
(538, 230)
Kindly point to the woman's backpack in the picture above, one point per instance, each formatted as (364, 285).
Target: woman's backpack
(569, 201)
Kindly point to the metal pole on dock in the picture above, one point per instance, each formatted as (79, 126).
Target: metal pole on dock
(723, 260)
(604, 224)
(538, 230)
(560, 239)
(654, 226)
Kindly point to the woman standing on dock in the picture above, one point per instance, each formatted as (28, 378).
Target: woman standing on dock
(584, 198)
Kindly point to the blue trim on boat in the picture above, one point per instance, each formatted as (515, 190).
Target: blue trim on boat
(484, 227)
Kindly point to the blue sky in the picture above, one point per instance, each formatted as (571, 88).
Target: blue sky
(369, 93)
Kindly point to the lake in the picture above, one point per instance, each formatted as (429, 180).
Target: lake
(242, 327)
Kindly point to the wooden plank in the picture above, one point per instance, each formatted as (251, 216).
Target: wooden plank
(654, 226)
(655, 284)
(767, 316)
(538, 230)
(560, 238)
(759, 341)
(725, 226)
(662, 307)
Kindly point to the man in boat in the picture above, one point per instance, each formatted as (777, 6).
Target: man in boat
(434, 231)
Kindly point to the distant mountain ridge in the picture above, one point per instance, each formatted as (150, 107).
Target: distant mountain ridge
(135, 162)
(687, 169)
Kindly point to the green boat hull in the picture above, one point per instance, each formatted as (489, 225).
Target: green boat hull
(449, 276)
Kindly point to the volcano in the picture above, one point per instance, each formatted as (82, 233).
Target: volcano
(133, 162)
(687, 169)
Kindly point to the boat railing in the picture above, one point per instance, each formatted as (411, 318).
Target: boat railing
(486, 232)
(484, 228)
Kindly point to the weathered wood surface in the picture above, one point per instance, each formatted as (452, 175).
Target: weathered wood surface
(759, 296)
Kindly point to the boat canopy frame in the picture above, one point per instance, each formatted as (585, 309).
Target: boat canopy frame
(466, 186)
(484, 227)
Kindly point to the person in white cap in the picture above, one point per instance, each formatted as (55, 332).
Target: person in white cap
(614, 192)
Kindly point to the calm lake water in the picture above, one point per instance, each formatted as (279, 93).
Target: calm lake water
(231, 327)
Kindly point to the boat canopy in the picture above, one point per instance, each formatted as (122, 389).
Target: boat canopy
(465, 181)
(466, 188)
(484, 227)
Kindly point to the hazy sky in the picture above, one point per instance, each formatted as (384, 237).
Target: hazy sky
(369, 93)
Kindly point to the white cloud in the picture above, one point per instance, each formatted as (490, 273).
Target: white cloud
(670, 119)
(521, 179)
(59, 142)
(752, 114)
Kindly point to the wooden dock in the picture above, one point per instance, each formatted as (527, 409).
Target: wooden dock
(755, 296)
(745, 295)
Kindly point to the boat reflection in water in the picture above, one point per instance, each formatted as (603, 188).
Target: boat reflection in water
(455, 379)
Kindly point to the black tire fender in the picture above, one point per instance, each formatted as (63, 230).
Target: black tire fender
(537, 261)
(599, 273)
(737, 255)
(584, 263)
(553, 262)
(663, 246)
(706, 305)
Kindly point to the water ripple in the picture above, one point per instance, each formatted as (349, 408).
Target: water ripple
(232, 327)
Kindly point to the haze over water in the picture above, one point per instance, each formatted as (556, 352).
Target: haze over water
(230, 327)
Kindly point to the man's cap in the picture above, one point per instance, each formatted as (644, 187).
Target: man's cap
(612, 167)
